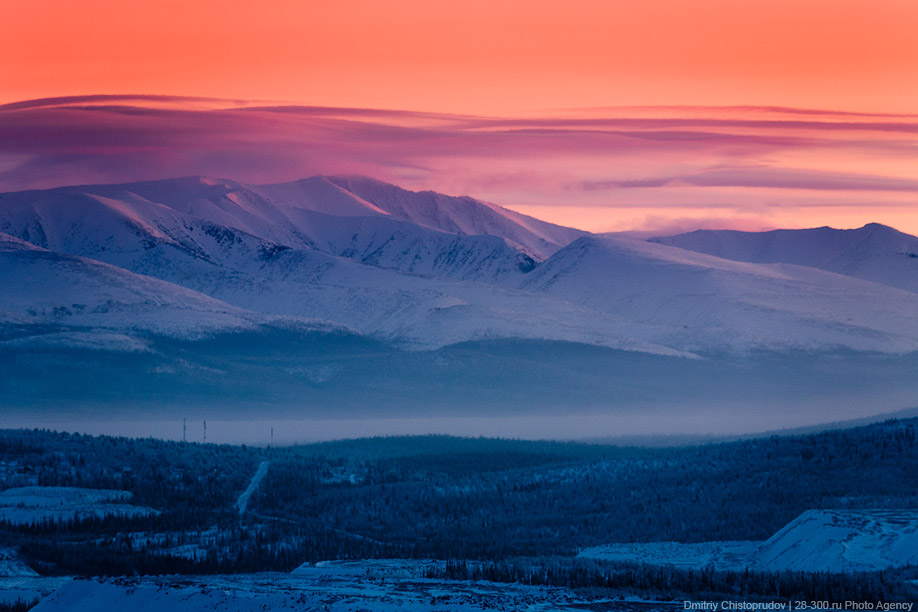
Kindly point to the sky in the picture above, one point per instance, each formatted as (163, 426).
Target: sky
(605, 115)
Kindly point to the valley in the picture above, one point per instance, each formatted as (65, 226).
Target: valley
(400, 519)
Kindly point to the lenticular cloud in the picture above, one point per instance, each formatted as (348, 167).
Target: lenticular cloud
(674, 163)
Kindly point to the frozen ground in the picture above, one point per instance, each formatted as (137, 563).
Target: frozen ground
(843, 541)
(370, 586)
(28, 588)
(24, 505)
(817, 540)
(12, 566)
(719, 555)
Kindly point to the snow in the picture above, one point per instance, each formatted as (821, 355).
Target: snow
(243, 500)
(727, 555)
(461, 215)
(843, 541)
(405, 309)
(12, 566)
(697, 302)
(339, 586)
(78, 302)
(816, 541)
(28, 587)
(25, 505)
(419, 270)
(874, 252)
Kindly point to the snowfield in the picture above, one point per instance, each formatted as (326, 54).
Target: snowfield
(27, 505)
(339, 586)
(12, 566)
(28, 588)
(817, 540)
(874, 252)
(697, 302)
(717, 555)
(843, 541)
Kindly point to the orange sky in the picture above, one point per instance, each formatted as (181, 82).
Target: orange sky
(475, 56)
(489, 58)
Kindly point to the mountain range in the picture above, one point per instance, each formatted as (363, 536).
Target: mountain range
(345, 293)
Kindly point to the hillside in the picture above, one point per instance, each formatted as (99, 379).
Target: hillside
(875, 252)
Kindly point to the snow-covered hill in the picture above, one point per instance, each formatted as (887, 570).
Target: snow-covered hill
(698, 302)
(874, 252)
(816, 541)
(50, 289)
(34, 505)
(842, 541)
(50, 300)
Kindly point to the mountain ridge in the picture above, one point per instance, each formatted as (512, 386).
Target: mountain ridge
(874, 252)
(400, 266)
(212, 293)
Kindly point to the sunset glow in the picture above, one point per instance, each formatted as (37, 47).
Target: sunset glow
(603, 115)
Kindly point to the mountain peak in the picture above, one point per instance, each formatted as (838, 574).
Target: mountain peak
(880, 228)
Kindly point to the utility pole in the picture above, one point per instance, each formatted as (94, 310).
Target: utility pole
(184, 430)
(205, 432)
(272, 437)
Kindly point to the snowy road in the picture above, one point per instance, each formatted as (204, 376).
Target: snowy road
(243, 500)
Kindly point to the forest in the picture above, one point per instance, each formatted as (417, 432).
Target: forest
(501, 510)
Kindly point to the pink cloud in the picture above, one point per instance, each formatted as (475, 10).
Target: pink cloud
(677, 157)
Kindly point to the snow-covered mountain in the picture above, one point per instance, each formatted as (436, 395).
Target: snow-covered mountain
(143, 226)
(52, 299)
(425, 270)
(48, 288)
(317, 288)
(874, 252)
(290, 249)
(698, 302)
(463, 215)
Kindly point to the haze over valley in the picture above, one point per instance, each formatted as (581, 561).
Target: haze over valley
(339, 299)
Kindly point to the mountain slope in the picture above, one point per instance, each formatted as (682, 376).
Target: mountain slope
(461, 215)
(278, 256)
(697, 302)
(874, 252)
(842, 541)
(51, 298)
(242, 274)
(401, 267)
(419, 233)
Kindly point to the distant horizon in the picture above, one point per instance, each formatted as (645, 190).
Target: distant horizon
(572, 429)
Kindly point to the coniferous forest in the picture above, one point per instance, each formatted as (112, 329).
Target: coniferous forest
(499, 510)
